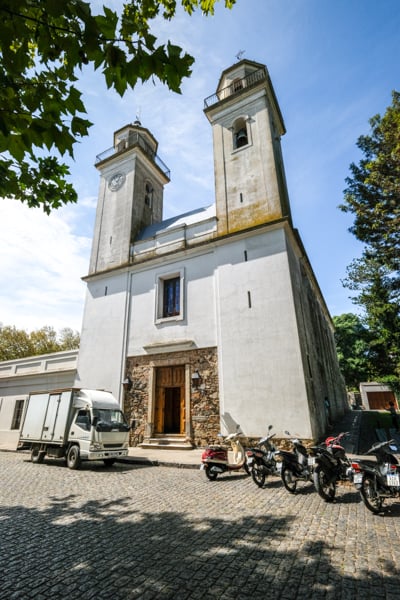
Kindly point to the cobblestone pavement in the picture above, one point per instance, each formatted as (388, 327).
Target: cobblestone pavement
(161, 533)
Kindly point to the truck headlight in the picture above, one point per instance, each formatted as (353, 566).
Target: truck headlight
(95, 446)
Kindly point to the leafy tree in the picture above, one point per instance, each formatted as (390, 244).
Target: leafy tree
(373, 197)
(353, 349)
(17, 343)
(373, 192)
(14, 343)
(44, 45)
(381, 302)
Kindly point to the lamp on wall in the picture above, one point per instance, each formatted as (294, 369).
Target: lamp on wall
(196, 379)
(127, 384)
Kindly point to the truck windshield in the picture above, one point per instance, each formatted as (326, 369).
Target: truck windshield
(109, 420)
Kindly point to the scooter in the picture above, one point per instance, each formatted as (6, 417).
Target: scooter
(262, 459)
(332, 465)
(377, 480)
(215, 458)
(296, 465)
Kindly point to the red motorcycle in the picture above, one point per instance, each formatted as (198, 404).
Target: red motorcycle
(331, 466)
(215, 459)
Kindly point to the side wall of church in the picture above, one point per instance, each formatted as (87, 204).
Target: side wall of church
(321, 370)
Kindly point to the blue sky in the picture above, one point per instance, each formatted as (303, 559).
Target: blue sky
(333, 65)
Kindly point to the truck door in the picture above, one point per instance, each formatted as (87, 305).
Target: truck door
(51, 417)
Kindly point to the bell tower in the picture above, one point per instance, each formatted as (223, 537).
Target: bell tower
(132, 179)
(250, 185)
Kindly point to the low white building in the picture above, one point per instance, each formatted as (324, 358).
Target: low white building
(214, 319)
(24, 375)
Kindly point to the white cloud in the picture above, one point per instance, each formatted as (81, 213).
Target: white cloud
(42, 262)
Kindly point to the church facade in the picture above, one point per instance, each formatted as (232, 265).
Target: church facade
(211, 321)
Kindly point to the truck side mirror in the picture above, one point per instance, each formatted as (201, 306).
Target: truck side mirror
(95, 420)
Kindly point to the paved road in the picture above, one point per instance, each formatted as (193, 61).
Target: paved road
(167, 533)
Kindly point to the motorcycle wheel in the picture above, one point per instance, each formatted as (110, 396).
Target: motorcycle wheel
(209, 474)
(325, 488)
(288, 480)
(258, 476)
(370, 496)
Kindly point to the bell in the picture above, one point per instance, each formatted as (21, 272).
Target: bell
(241, 138)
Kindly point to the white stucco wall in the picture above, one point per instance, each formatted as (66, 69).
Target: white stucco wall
(198, 323)
(102, 348)
(260, 364)
(261, 374)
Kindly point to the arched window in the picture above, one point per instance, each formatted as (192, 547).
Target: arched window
(148, 194)
(240, 135)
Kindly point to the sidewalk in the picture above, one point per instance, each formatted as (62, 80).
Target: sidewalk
(191, 459)
(186, 459)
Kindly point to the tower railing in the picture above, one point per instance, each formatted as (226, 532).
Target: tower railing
(133, 139)
(236, 86)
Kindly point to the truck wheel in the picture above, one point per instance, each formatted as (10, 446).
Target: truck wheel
(37, 456)
(73, 458)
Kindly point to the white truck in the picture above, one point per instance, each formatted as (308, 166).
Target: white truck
(76, 424)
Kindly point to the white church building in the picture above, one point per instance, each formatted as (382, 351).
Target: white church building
(213, 320)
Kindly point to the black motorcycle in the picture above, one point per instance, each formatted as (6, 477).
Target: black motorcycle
(331, 466)
(377, 479)
(296, 465)
(261, 459)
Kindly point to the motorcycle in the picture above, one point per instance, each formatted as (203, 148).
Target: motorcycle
(296, 465)
(377, 479)
(332, 466)
(215, 459)
(261, 459)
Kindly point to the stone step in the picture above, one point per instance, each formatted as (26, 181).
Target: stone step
(167, 443)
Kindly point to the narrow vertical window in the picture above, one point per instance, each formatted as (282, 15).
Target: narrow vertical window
(171, 297)
(17, 416)
(148, 195)
(249, 299)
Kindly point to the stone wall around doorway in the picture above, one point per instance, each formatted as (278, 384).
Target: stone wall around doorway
(203, 420)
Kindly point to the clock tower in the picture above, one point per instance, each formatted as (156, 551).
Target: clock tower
(132, 179)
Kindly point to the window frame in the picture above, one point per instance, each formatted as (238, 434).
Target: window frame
(17, 414)
(161, 279)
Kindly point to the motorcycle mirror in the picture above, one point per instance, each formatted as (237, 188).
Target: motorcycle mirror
(269, 427)
(287, 433)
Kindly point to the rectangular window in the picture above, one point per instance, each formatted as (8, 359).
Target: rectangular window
(18, 410)
(171, 297)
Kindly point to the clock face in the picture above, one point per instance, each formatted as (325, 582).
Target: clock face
(116, 181)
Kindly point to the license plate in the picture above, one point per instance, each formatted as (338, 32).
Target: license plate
(311, 461)
(393, 480)
(357, 478)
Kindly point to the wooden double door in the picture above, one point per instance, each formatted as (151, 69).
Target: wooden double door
(169, 409)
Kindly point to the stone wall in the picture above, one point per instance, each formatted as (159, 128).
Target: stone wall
(204, 419)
